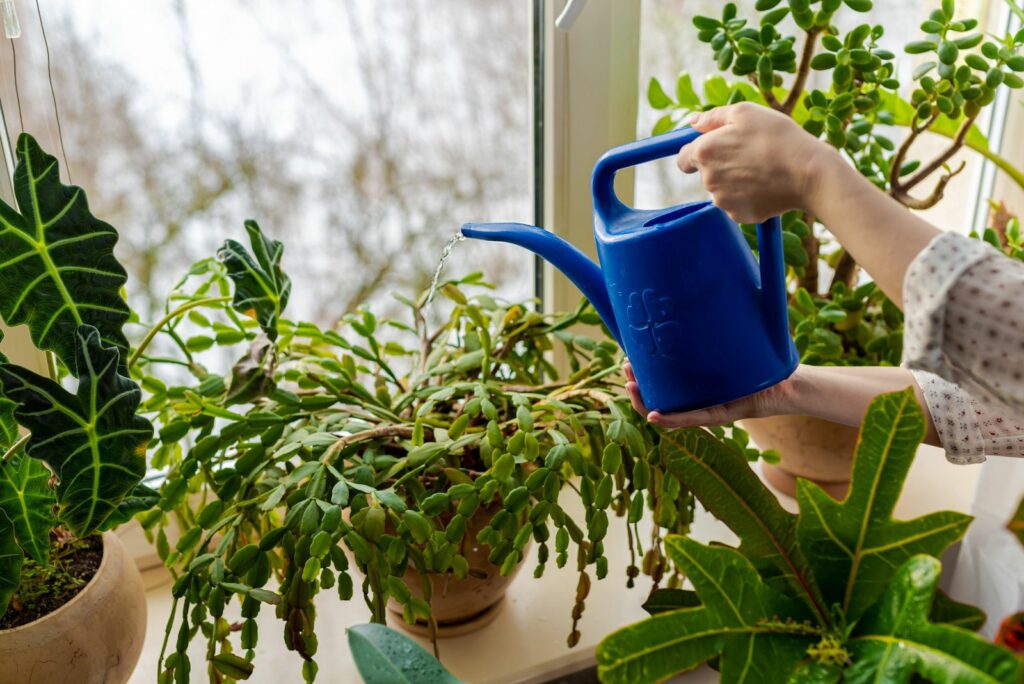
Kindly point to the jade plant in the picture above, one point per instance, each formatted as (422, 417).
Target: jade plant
(335, 459)
(77, 468)
(841, 591)
(763, 61)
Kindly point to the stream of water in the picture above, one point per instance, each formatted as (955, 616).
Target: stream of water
(445, 253)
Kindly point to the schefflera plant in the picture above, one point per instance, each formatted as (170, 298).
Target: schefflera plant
(77, 469)
(378, 440)
(839, 592)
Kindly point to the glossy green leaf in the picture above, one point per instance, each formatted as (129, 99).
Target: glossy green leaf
(856, 544)
(58, 269)
(261, 287)
(11, 558)
(383, 656)
(664, 600)
(724, 483)
(92, 440)
(894, 638)
(950, 612)
(28, 500)
(737, 621)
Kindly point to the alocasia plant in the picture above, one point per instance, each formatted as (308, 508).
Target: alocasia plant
(82, 461)
(841, 591)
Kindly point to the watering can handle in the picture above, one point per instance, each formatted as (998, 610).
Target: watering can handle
(769, 233)
(606, 203)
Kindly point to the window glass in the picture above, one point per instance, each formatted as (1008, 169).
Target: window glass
(361, 134)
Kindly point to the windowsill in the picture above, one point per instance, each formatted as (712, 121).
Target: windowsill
(526, 642)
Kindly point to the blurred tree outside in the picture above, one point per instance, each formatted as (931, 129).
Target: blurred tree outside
(361, 133)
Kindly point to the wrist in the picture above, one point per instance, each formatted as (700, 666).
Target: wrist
(800, 393)
(823, 168)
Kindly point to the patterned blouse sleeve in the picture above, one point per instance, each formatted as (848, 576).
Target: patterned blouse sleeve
(964, 306)
(968, 430)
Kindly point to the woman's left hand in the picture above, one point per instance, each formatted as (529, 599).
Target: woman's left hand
(776, 400)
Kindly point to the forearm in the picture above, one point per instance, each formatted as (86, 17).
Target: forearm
(842, 395)
(881, 234)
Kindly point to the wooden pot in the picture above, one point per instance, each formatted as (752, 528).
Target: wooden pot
(458, 605)
(95, 638)
(811, 448)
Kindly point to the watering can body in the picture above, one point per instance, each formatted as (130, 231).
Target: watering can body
(702, 322)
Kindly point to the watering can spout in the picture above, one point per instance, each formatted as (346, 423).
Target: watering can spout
(584, 273)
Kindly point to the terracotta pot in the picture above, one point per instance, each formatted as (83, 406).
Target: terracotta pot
(95, 638)
(461, 606)
(811, 448)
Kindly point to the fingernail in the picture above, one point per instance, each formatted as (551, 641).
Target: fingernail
(693, 118)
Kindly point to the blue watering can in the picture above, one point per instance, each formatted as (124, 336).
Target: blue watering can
(678, 288)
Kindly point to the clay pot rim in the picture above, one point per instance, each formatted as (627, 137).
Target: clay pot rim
(105, 537)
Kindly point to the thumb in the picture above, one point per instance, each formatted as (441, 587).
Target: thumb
(711, 119)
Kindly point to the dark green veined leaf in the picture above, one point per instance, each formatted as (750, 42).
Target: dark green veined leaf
(142, 498)
(726, 486)
(93, 440)
(261, 287)
(383, 656)
(8, 425)
(894, 638)
(857, 545)
(28, 501)
(1016, 524)
(950, 612)
(58, 269)
(11, 558)
(738, 621)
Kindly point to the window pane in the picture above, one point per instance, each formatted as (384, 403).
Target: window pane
(669, 45)
(360, 133)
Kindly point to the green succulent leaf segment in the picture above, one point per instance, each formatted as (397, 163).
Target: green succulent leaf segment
(28, 501)
(261, 287)
(92, 440)
(839, 592)
(57, 264)
(383, 656)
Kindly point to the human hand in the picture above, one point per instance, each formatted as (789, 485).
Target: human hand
(778, 399)
(756, 162)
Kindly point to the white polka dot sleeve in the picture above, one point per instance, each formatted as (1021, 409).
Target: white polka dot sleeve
(965, 327)
(968, 430)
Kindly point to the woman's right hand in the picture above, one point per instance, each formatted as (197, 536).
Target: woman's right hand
(755, 162)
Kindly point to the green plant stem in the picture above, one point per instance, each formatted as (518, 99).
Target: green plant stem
(167, 319)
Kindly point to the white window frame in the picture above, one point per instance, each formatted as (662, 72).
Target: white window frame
(589, 95)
